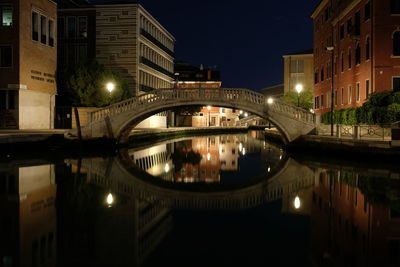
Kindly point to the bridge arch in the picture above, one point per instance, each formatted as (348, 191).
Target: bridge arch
(117, 120)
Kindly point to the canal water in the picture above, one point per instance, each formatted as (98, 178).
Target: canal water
(223, 200)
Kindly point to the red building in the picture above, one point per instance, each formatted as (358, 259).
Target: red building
(362, 39)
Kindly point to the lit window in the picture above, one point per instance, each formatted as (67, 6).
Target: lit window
(349, 94)
(6, 15)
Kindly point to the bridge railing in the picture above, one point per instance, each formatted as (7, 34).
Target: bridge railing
(292, 111)
(238, 95)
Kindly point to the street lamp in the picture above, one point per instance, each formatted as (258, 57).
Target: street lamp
(270, 100)
(110, 86)
(297, 203)
(209, 108)
(299, 88)
(110, 200)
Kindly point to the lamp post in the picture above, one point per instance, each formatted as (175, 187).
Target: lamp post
(209, 108)
(330, 49)
(299, 88)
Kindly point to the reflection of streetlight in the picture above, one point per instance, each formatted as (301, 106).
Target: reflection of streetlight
(208, 156)
(269, 169)
(297, 203)
(246, 114)
(166, 168)
(244, 151)
(240, 147)
(299, 88)
(209, 108)
(110, 199)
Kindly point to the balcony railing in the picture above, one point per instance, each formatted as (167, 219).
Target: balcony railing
(156, 67)
(156, 42)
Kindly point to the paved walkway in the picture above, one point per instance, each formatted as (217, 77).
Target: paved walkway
(22, 136)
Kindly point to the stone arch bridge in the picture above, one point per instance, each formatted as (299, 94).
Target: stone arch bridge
(117, 120)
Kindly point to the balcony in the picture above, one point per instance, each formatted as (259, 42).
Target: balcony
(156, 42)
(153, 65)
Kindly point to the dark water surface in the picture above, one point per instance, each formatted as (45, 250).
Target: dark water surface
(226, 200)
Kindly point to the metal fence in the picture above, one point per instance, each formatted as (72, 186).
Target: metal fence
(358, 132)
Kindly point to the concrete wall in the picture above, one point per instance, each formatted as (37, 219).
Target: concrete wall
(83, 115)
(36, 110)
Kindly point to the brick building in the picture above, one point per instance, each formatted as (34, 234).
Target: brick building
(28, 56)
(188, 76)
(362, 39)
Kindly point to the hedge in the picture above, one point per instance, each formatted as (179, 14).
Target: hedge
(381, 108)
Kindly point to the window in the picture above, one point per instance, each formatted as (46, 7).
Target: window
(335, 95)
(395, 6)
(43, 30)
(5, 56)
(7, 99)
(349, 58)
(82, 52)
(61, 28)
(349, 94)
(367, 89)
(342, 62)
(322, 101)
(6, 15)
(71, 27)
(367, 11)
(51, 32)
(349, 26)
(396, 44)
(358, 54)
(357, 92)
(342, 96)
(357, 23)
(367, 49)
(35, 26)
(322, 74)
(342, 32)
(296, 66)
(82, 27)
(316, 76)
(396, 84)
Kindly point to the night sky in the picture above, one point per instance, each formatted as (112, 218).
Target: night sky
(244, 39)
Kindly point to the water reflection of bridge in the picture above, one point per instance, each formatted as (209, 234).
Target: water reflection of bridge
(127, 180)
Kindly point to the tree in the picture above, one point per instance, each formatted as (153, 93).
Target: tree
(85, 85)
(305, 99)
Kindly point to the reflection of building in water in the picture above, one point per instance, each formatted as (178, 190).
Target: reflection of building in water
(124, 234)
(347, 230)
(154, 160)
(208, 169)
(28, 226)
(229, 149)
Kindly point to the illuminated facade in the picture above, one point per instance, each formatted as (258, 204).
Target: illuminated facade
(28, 56)
(299, 69)
(360, 39)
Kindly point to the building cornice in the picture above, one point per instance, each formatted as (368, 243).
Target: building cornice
(319, 8)
(342, 14)
(143, 10)
(298, 55)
